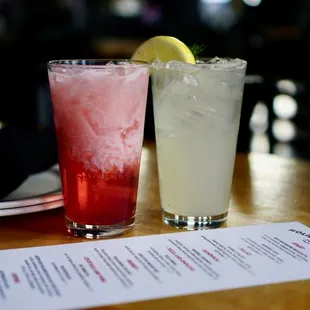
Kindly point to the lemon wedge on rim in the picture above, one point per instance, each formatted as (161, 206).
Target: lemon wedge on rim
(164, 49)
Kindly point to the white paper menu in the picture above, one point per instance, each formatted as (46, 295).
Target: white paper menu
(116, 271)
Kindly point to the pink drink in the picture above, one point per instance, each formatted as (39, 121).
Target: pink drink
(99, 113)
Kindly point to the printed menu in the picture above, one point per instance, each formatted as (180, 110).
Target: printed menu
(105, 272)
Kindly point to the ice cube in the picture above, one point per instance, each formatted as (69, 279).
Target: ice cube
(174, 64)
(74, 71)
(179, 88)
(133, 74)
(222, 61)
(190, 80)
(60, 78)
(121, 68)
(107, 69)
(62, 75)
(225, 63)
(182, 66)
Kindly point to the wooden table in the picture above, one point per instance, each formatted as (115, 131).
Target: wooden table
(265, 189)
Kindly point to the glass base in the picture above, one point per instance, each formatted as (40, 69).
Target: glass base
(194, 222)
(98, 231)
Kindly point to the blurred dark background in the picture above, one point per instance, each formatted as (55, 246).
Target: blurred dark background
(272, 35)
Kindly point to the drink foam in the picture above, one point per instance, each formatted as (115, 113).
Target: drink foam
(99, 114)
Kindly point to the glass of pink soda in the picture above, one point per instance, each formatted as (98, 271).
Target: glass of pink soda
(99, 113)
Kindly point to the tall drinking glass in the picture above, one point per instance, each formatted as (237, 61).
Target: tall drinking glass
(197, 110)
(99, 112)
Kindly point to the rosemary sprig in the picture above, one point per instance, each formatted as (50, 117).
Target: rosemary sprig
(196, 49)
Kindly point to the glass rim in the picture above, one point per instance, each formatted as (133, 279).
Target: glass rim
(95, 63)
(237, 62)
(205, 63)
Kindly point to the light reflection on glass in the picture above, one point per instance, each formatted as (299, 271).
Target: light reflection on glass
(145, 157)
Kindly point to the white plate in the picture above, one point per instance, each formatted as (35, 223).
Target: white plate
(37, 189)
(32, 209)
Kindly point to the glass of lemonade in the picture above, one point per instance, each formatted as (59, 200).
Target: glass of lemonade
(99, 112)
(197, 110)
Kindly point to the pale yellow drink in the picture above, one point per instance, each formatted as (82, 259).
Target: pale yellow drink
(197, 111)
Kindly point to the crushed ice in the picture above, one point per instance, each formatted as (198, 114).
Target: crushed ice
(190, 80)
(119, 69)
(223, 63)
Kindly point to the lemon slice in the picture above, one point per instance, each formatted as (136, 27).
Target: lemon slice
(163, 49)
